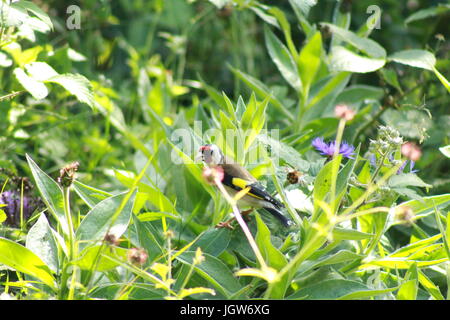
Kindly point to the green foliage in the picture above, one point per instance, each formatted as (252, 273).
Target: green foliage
(261, 80)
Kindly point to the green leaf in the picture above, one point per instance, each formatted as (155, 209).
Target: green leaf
(309, 61)
(282, 58)
(40, 71)
(274, 258)
(213, 241)
(214, 271)
(408, 290)
(261, 91)
(36, 88)
(428, 12)
(93, 257)
(398, 263)
(441, 78)
(100, 220)
(322, 184)
(24, 260)
(51, 194)
(90, 195)
(368, 46)
(2, 216)
(432, 289)
(331, 290)
(343, 59)
(363, 294)
(304, 5)
(415, 58)
(145, 235)
(33, 8)
(41, 242)
(350, 234)
(407, 180)
(414, 247)
(77, 85)
(425, 206)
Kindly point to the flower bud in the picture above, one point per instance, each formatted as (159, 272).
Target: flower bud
(67, 174)
(344, 112)
(137, 256)
(411, 151)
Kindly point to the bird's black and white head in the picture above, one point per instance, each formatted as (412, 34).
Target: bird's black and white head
(210, 154)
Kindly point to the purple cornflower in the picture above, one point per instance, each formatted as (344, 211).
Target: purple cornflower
(347, 150)
(12, 201)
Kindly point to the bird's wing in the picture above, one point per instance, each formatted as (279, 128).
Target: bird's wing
(256, 190)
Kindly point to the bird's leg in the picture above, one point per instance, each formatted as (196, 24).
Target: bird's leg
(227, 224)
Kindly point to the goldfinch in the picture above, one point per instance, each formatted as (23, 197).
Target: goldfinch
(237, 178)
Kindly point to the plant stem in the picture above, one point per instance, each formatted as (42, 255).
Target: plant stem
(242, 223)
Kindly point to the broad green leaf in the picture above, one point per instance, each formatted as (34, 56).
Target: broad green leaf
(339, 257)
(274, 258)
(350, 234)
(282, 58)
(90, 195)
(398, 263)
(36, 88)
(328, 87)
(424, 207)
(214, 271)
(51, 193)
(102, 219)
(343, 59)
(368, 46)
(24, 260)
(213, 241)
(415, 58)
(77, 85)
(34, 9)
(92, 258)
(309, 61)
(2, 216)
(336, 258)
(415, 246)
(40, 71)
(407, 180)
(329, 290)
(322, 184)
(145, 235)
(359, 94)
(408, 290)
(41, 242)
(363, 294)
(432, 289)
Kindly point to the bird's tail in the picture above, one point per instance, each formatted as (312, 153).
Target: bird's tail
(277, 214)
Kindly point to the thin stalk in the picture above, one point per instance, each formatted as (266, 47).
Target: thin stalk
(335, 167)
(242, 223)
